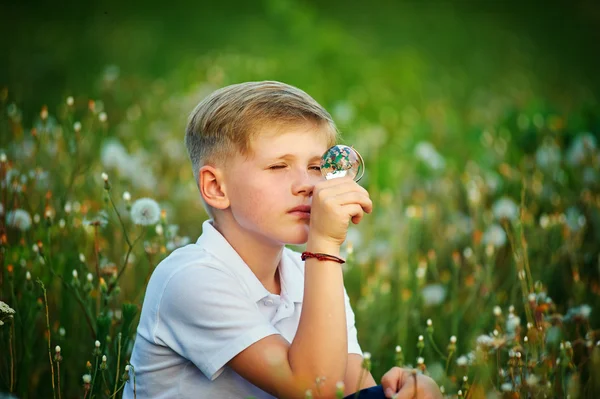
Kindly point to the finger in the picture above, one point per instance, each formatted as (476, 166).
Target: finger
(392, 381)
(354, 212)
(350, 198)
(336, 186)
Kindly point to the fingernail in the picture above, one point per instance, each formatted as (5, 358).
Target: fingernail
(389, 393)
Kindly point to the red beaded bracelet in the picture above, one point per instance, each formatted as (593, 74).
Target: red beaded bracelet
(319, 256)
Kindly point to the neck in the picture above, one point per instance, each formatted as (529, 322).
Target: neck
(261, 256)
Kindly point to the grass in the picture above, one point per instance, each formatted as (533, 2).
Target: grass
(478, 267)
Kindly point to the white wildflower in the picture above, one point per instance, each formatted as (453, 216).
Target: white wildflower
(77, 126)
(87, 378)
(532, 380)
(145, 211)
(512, 323)
(102, 117)
(4, 308)
(462, 361)
(126, 196)
(90, 277)
(585, 311)
(433, 294)
(159, 229)
(497, 311)
(367, 355)
(2, 157)
(548, 156)
(19, 218)
(97, 344)
(495, 235)
(506, 387)
(70, 101)
(420, 360)
(427, 153)
(505, 208)
(453, 339)
(104, 176)
(582, 147)
(485, 340)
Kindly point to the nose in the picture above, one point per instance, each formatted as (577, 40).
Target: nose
(304, 183)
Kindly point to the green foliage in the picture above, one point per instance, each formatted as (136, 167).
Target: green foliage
(486, 215)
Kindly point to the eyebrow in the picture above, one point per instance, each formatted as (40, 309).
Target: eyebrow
(288, 156)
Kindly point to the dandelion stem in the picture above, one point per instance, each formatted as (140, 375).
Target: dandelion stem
(114, 283)
(119, 217)
(58, 377)
(48, 328)
(12, 359)
(118, 364)
(439, 352)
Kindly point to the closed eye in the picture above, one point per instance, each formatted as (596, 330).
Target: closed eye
(317, 168)
(277, 167)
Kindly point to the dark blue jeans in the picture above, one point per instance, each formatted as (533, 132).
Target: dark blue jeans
(369, 393)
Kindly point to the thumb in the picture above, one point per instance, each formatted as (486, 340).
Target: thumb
(392, 381)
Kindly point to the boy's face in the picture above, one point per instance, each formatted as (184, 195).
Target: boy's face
(277, 177)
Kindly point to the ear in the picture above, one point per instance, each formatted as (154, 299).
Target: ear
(211, 184)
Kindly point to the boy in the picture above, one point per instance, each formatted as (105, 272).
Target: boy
(237, 314)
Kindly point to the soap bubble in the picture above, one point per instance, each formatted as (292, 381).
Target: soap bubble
(341, 160)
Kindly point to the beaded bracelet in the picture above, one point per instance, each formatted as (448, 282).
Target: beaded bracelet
(320, 256)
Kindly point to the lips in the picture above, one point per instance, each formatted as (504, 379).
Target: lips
(301, 208)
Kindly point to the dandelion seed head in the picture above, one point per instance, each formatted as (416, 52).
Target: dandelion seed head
(70, 101)
(506, 387)
(420, 360)
(90, 277)
(57, 349)
(429, 323)
(87, 378)
(453, 339)
(465, 378)
(532, 380)
(433, 294)
(75, 274)
(102, 117)
(77, 126)
(495, 236)
(97, 344)
(104, 176)
(62, 223)
(4, 308)
(19, 219)
(367, 355)
(127, 368)
(159, 229)
(126, 196)
(62, 332)
(145, 211)
(468, 252)
(526, 339)
(104, 359)
(28, 275)
(81, 258)
(36, 218)
(2, 157)
(497, 311)
(531, 297)
(420, 338)
(462, 361)
(398, 349)
(505, 208)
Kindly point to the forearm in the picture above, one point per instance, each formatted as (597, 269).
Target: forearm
(320, 346)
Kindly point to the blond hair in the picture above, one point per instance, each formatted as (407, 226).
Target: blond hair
(224, 123)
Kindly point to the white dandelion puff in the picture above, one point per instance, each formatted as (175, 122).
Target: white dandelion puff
(19, 218)
(433, 294)
(145, 211)
(505, 208)
(495, 235)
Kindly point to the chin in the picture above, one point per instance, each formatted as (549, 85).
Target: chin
(299, 237)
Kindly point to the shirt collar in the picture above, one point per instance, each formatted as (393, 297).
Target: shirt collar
(291, 275)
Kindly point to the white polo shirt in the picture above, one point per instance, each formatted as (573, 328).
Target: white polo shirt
(203, 306)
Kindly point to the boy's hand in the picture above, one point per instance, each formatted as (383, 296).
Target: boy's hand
(334, 203)
(401, 383)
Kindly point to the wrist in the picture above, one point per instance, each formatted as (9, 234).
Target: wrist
(323, 246)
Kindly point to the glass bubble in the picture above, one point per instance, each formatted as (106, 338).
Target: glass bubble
(341, 160)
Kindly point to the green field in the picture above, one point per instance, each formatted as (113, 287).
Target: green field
(479, 125)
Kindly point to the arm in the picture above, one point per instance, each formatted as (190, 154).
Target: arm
(320, 347)
(356, 377)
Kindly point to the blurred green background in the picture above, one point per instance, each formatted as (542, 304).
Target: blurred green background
(500, 92)
(52, 50)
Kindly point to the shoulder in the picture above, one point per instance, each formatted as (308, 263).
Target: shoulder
(189, 268)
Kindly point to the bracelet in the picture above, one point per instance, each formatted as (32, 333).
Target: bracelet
(319, 256)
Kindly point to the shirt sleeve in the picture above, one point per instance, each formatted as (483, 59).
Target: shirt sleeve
(353, 345)
(206, 317)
